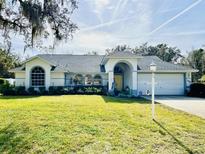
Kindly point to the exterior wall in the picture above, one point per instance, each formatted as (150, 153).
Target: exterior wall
(188, 79)
(19, 79)
(37, 62)
(57, 79)
(165, 83)
(105, 79)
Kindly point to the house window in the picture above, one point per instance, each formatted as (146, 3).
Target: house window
(38, 77)
(88, 80)
(97, 80)
(78, 79)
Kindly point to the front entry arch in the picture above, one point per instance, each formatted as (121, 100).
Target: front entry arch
(122, 76)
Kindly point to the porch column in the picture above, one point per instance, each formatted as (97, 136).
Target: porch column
(47, 78)
(110, 80)
(134, 83)
(27, 78)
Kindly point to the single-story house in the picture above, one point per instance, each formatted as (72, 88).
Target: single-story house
(119, 70)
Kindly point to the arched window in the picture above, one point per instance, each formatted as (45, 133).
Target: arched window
(97, 80)
(88, 80)
(78, 79)
(38, 77)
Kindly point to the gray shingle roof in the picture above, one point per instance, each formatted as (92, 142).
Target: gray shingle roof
(123, 54)
(92, 63)
(75, 63)
(21, 68)
(144, 65)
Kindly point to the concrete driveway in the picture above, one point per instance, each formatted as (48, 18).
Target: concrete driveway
(191, 105)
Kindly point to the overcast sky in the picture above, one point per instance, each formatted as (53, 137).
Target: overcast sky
(106, 23)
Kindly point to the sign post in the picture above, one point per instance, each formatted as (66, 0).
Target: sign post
(153, 68)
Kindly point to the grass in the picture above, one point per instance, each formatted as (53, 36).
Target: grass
(95, 124)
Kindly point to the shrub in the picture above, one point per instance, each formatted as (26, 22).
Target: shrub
(197, 90)
(2, 81)
(43, 91)
(59, 90)
(56, 90)
(32, 91)
(51, 90)
(89, 90)
(7, 89)
(9, 92)
(21, 90)
(69, 90)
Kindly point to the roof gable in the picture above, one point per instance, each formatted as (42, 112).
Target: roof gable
(35, 57)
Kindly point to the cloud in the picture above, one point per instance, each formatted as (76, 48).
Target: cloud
(89, 41)
(168, 10)
(116, 9)
(175, 17)
(140, 21)
(200, 32)
(98, 6)
(105, 24)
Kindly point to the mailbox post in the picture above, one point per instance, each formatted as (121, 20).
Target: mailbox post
(153, 68)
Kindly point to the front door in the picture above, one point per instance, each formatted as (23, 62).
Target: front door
(118, 82)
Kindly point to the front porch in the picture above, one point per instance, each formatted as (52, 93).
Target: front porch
(123, 78)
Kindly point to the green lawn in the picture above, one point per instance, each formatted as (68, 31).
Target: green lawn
(95, 124)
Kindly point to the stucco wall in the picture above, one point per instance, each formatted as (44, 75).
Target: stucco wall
(105, 79)
(57, 79)
(19, 78)
(37, 62)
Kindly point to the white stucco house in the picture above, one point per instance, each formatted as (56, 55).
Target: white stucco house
(119, 69)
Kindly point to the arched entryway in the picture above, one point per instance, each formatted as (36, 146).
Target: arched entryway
(122, 76)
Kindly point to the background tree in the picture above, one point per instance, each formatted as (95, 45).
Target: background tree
(7, 62)
(92, 53)
(36, 19)
(196, 59)
(118, 48)
(163, 51)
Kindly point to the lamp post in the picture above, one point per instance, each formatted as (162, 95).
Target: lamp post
(153, 68)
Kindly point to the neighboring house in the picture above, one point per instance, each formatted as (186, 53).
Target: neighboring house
(119, 69)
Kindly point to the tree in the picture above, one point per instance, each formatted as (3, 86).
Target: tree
(118, 48)
(92, 53)
(35, 19)
(163, 51)
(7, 61)
(196, 59)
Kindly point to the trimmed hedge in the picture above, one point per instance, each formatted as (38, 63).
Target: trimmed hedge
(5, 87)
(2, 81)
(197, 90)
(87, 90)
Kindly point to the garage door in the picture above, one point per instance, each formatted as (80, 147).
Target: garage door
(166, 84)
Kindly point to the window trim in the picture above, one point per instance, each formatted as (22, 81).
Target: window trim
(98, 80)
(40, 78)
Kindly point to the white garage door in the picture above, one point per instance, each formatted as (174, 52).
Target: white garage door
(166, 84)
